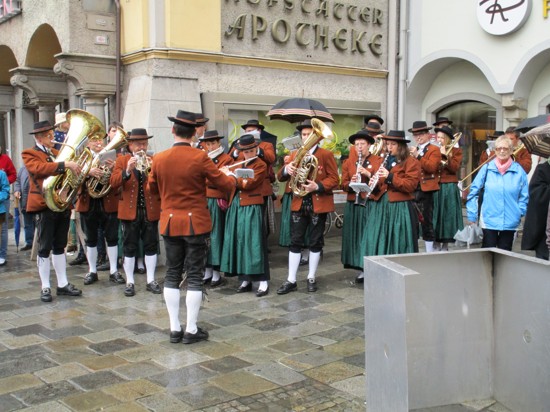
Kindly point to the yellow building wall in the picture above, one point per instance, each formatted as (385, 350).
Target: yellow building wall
(134, 25)
(193, 24)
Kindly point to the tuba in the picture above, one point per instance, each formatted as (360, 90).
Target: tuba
(98, 188)
(306, 164)
(378, 147)
(59, 191)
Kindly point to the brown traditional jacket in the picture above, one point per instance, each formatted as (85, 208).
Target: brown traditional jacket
(211, 189)
(430, 161)
(40, 165)
(450, 170)
(110, 200)
(349, 169)
(327, 179)
(402, 180)
(129, 189)
(268, 156)
(250, 190)
(179, 177)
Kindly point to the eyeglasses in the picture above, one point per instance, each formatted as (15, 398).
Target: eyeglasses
(502, 149)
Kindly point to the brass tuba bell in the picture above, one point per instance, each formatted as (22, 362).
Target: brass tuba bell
(59, 191)
(306, 164)
(98, 188)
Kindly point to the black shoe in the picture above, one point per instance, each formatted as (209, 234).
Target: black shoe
(216, 283)
(46, 295)
(304, 262)
(247, 288)
(141, 271)
(207, 281)
(116, 278)
(79, 260)
(195, 337)
(154, 287)
(68, 290)
(359, 279)
(260, 293)
(130, 290)
(311, 285)
(90, 278)
(105, 265)
(176, 337)
(26, 247)
(287, 287)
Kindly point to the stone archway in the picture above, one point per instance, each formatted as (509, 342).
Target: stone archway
(43, 46)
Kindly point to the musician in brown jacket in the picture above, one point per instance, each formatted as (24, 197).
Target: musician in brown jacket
(430, 161)
(138, 210)
(179, 176)
(99, 213)
(52, 227)
(310, 211)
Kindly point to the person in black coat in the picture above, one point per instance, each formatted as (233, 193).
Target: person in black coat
(534, 234)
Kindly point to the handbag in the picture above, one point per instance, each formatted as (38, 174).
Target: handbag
(470, 235)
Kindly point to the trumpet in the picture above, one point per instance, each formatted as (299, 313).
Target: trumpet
(449, 148)
(143, 162)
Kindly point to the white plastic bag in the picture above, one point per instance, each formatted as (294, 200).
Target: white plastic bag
(470, 235)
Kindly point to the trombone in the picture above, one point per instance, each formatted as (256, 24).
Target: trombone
(449, 148)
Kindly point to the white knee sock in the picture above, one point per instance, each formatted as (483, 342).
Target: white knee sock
(429, 246)
(193, 303)
(60, 266)
(44, 271)
(314, 258)
(151, 264)
(263, 286)
(293, 265)
(216, 275)
(92, 258)
(207, 273)
(112, 252)
(360, 275)
(172, 299)
(128, 265)
(140, 264)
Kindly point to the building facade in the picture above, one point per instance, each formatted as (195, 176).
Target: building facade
(229, 59)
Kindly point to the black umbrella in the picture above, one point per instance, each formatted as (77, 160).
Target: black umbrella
(299, 109)
(537, 141)
(530, 122)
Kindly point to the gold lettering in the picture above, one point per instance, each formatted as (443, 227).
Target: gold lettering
(375, 44)
(270, 3)
(289, 4)
(545, 8)
(259, 24)
(238, 26)
(280, 23)
(299, 34)
(321, 36)
(351, 12)
(336, 10)
(323, 8)
(304, 10)
(356, 37)
(376, 16)
(339, 40)
(365, 14)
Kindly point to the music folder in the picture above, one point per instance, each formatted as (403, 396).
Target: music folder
(360, 187)
(108, 155)
(245, 173)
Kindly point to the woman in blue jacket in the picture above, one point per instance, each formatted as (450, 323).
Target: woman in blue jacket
(506, 193)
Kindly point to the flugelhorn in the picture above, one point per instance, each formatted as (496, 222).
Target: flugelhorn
(143, 162)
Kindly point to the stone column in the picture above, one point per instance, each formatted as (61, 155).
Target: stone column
(514, 109)
(3, 136)
(46, 112)
(96, 106)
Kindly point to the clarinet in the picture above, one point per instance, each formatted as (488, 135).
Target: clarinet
(358, 194)
(374, 179)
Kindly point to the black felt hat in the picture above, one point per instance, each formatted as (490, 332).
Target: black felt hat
(420, 126)
(42, 126)
(246, 141)
(200, 119)
(370, 117)
(138, 134)
(253, 122)
(210, 135)
(184, 118)
(361, 134)
(440, 120)
(396, 136)
(445, 129)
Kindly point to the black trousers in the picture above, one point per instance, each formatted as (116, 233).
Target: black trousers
(52, 231)
(425, 203)
(299, 222)
(140, 228)
(96, 219)
(502, 239)
(187, 252)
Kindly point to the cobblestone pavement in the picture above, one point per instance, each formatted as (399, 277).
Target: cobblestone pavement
(105, 351)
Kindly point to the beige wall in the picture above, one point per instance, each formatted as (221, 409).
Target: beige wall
(135, 25)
